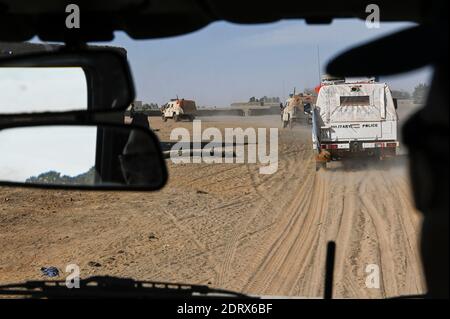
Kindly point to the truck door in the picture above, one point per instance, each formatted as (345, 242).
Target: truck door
(356, 117)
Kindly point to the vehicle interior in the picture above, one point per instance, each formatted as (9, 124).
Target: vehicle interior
(129, 163)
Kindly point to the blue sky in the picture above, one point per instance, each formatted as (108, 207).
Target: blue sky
(225, 63)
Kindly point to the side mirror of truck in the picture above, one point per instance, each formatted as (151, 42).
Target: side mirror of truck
(79, 151)
(395, 103)
(307, 108)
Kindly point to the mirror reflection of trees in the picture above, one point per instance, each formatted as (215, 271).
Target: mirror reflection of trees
(55, 178)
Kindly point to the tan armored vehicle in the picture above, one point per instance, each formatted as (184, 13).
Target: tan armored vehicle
(178, 109)
(297, 109)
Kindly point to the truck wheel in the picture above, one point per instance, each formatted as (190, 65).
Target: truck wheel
(176, 118)
(164, 118)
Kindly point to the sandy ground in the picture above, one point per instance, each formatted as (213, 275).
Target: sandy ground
(227, 226)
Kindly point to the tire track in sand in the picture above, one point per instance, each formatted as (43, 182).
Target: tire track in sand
(292, 241)
(275, 184)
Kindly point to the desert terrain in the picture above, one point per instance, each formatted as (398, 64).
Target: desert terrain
(227, 226)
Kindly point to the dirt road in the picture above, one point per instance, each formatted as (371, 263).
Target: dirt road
(228, 226)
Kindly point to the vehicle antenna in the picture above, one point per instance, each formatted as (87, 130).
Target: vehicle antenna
(319, 68)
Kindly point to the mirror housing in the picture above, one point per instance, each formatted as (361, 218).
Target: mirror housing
(79, 151)
(307, 108)
(108, 76)
(395, 100)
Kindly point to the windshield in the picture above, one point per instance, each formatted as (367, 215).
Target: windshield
(254, 219)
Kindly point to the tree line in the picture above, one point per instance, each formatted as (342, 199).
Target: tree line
(419, 95)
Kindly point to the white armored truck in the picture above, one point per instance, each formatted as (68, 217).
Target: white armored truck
(352, 119)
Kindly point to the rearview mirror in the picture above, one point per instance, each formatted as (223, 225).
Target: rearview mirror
(101, 75)
(118, 157)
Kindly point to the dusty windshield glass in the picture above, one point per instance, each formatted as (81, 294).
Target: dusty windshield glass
(268, 158)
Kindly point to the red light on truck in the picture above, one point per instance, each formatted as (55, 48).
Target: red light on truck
(391, 144)
(329, 146)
